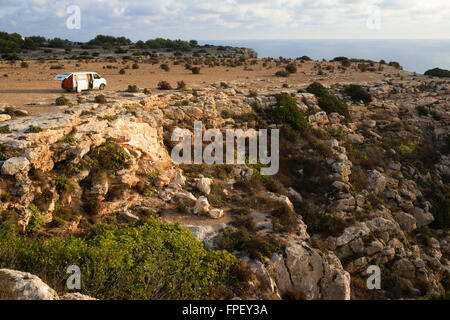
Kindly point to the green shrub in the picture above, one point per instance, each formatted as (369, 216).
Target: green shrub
(286, 219)
(36, 221)
(109, 156)
(100, 99)
(111, 117)
(13, 112)
(253, 93)
(195, 70)
(42, 199)
(7, 152)
(405, 149)
(345, 62)
(240, 239)
(287, 112)
(33, 129)
(440, 201)
(291, 68)
(422, 110)
(324, 223)
(396, 65)
(181, 85)
(132, 88)
(62, 101)
(165, 67)
(338, 133)
(328, 102)
(282, 73)
(120, 51)
(357, 93)
(135, 66)
(142, 261)
(65, 213)
(63, 184)
(368, 156)
(436, 297)
(436, 72)
(217, 197)
(5, 129)
(69, 139)
(164, 85)
(122, 71)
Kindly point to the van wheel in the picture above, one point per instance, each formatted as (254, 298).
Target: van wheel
(102, 87)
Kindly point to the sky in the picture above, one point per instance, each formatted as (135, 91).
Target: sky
(228, 19)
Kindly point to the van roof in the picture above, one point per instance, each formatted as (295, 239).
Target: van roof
(78, 72)
(64, 75)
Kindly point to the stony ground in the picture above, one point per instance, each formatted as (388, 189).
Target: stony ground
(33, 89)
(369, 189)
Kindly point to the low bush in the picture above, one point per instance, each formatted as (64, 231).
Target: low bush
(287, 112)
(143, 261)
(62, 101)
(165, 67)
(423, 111)
(396, 65)
(282, 73)
(109, 156)
(291, 68)
(328, 102)
(63, 184)
(436, 72)
(164, 85)
(5, 129)
(440, 201)
(253, 94)
(100, 99)
(36, 221)
(369, 156)
(345, 62)
(33, 129)
(195, 70)
(358, 93)
(285, 219)
(181, 85)
(324, 223)
(240, 239)
(132, 88)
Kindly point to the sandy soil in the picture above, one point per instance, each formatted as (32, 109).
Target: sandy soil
(34, 90)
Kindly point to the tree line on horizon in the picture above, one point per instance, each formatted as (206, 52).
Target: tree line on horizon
(14, 43)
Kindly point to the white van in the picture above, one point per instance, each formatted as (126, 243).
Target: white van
(79, 81)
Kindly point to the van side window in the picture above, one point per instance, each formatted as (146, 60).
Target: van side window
(96, 76)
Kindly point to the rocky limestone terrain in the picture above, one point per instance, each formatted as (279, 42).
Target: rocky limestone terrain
(352, 191)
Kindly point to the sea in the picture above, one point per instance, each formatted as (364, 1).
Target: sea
(414, 55)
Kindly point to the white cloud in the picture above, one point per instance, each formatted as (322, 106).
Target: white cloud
(230, 19)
